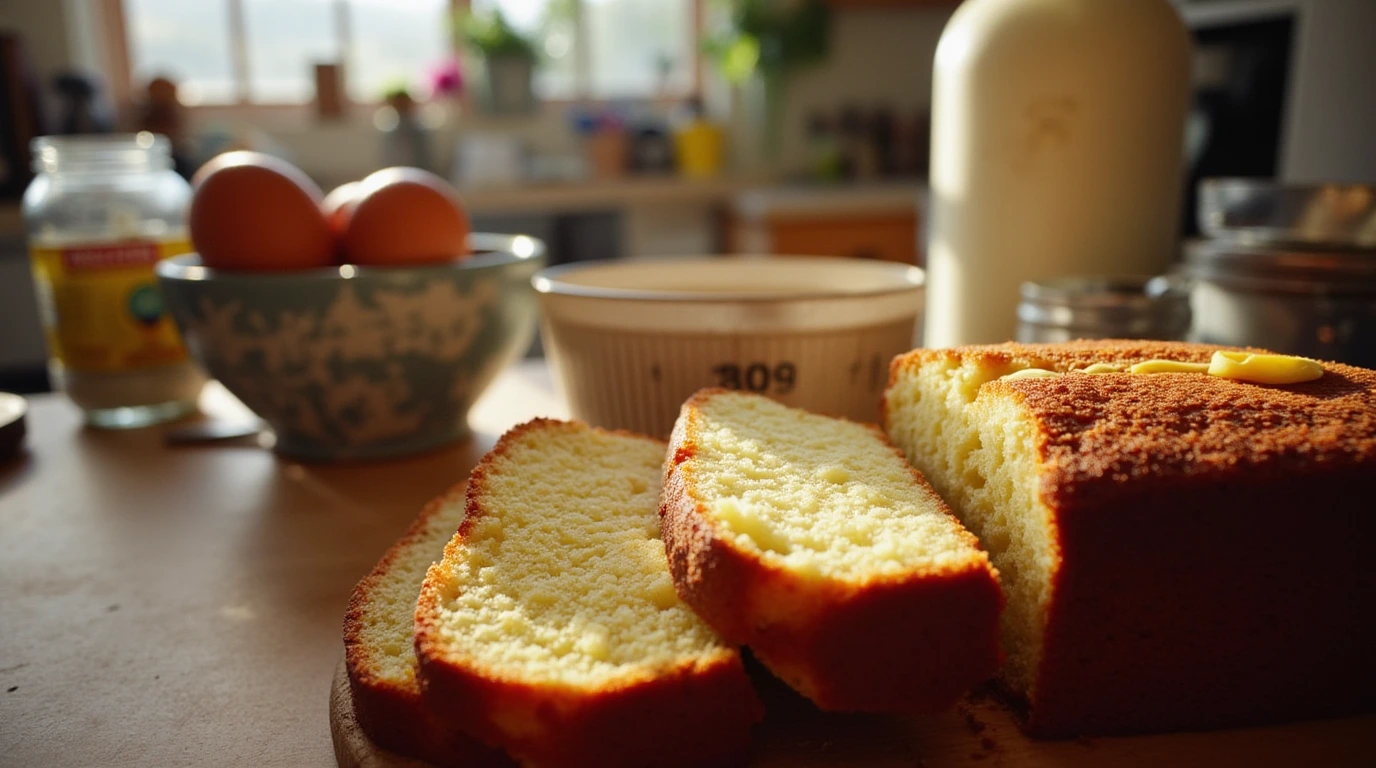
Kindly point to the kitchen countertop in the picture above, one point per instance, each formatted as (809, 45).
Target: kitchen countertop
(555, 197)
(631, 191)
(748, 196)
(182, 606)
(814, 200)
(552, 197)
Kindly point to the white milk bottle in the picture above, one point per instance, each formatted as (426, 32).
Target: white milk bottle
(1057, 131)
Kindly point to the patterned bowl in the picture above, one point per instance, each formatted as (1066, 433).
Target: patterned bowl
(360, 362)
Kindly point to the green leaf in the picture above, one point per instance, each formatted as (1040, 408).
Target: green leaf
(739, 59)
(774, 37)
(491, 35)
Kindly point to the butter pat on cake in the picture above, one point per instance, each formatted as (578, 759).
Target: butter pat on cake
(551, 624)
(811, 540)
(1183, 536)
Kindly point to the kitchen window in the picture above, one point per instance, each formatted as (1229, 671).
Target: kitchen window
(608, 49)
(262, 51)
(248, 52)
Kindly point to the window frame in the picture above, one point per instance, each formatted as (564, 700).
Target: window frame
(122, 76)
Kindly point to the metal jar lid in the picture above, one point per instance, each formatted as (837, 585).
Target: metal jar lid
(1108, 307)
(1276, 213)
(1304, 269)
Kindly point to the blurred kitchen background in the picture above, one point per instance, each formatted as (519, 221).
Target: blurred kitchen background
(615, 128)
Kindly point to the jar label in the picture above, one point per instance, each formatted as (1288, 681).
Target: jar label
(102, 309)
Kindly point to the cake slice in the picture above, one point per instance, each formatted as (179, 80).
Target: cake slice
(1179, 550)
(811, 540)
(551, 623)
(379, 652)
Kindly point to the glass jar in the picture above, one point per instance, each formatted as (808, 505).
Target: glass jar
(101, 211)
(1104, 308)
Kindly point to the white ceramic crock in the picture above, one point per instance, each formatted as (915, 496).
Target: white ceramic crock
(631, 340)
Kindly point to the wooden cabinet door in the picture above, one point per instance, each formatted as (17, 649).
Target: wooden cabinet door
(888, 237)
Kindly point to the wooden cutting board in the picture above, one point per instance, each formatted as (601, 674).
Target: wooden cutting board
(979, 731)
(351, 746)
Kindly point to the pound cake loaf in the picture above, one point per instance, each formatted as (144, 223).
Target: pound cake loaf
(1179, 551)
(379, 653)
(811, 540)
(551, 623)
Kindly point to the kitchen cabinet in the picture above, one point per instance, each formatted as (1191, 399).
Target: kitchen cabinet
(878, 222)
(888, 237)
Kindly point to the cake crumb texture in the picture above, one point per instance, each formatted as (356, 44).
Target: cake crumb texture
(552, 620)
(380, 655)
(811, 540)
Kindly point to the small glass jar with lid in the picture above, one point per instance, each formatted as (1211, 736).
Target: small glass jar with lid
(100, 213)
(1119, 307)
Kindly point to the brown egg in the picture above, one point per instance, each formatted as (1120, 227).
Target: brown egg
(405, 216)
(251, 211)
(338, 204)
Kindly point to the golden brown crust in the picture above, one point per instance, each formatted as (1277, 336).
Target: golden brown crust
(1214, 540)
(1244, 602)
(697, 713)
(394, 714)
(1098, 430)
(1063, 356)
(908, 642)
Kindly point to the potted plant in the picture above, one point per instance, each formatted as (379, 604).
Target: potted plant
(765, 42)
(508, 59)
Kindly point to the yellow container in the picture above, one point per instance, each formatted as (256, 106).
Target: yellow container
(699, 146)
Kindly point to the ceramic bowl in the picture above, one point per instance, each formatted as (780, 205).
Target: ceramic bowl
(631, 340)
(360, 362)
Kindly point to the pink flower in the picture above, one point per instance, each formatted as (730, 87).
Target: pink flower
(445, 78)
